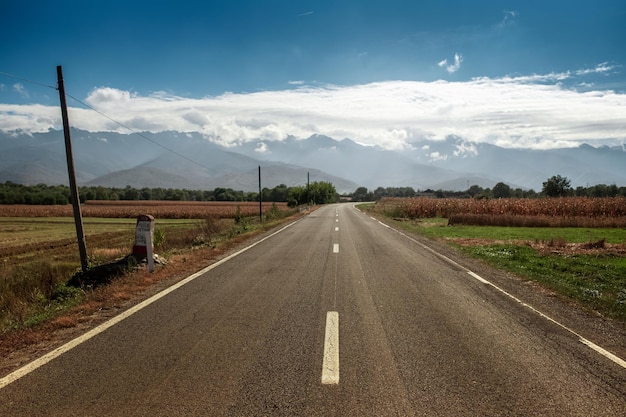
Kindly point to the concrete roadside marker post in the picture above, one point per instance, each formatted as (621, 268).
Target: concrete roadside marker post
(144, 239)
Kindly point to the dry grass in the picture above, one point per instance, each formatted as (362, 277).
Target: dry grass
(109, 253)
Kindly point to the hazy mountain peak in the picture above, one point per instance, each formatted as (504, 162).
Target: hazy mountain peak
(190, 160)
(321, 141)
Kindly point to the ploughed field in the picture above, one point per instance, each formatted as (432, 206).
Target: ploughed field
(131, 209)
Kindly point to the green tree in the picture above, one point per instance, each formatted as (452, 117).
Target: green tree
(475, 190)
(361, 194)
(279, 193)
(297, 196)
(130, 193)
(501, 190)
(323, 192)
(556, 186)
(379, 193)
(581, 192)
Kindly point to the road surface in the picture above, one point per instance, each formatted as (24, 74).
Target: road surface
(334, 315)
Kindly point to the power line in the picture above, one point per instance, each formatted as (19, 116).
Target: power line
(136, 132)
(106, 116)
(27, 80)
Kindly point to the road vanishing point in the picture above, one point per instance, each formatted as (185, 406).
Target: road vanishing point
(335, 314)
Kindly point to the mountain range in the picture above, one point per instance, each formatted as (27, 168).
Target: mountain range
(191, 161)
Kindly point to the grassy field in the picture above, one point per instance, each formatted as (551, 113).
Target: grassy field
(17, 231)
(438, 228)
(39, 254)
(586, 264)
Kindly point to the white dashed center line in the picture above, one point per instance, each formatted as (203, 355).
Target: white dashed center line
(330, 365)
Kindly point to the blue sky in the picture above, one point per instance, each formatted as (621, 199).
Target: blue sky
(229, 59)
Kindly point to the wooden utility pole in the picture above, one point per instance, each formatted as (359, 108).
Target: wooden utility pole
(260, 197)
(78, 218)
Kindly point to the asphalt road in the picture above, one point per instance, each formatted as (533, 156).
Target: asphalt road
(409, 334)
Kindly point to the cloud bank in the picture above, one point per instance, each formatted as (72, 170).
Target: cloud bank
(534, 111)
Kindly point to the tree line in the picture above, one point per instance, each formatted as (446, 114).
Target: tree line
(556, 186)
(319, 192)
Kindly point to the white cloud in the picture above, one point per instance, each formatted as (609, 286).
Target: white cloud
(29, 118)
(436, 156)
(261, 148)
(102, 96)
(534, 111)
(599, 69)
(19, 88)
(197, 118)
(466, 149)
(452, 68)
(508, 18)
(555, 77)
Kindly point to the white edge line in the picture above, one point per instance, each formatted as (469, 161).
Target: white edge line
(611, 356)
(582, 340)
(604, 352)
(39, 362)
(330, 365)
(479, 278)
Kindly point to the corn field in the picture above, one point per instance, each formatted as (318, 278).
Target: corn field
(544, 212)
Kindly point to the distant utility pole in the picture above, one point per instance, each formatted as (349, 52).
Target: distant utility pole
(260, 198)
(78, 218)
(308, 186)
